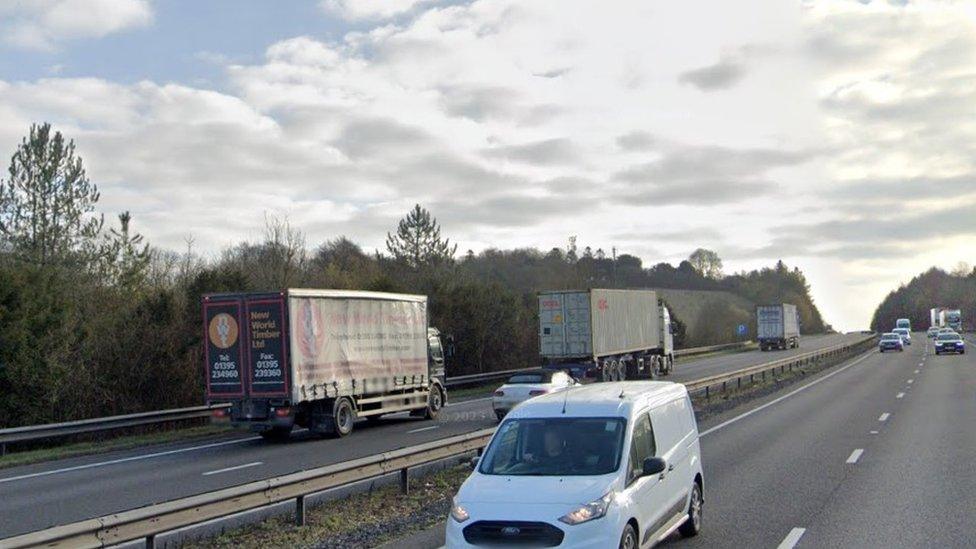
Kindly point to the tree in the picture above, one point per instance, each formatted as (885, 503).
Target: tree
(418, 243)
(706, 262)
(47, 205)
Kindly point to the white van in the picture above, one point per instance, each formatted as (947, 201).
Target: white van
(602, 465)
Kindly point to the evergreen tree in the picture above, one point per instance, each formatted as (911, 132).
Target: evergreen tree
(418, 243)
(47, 204)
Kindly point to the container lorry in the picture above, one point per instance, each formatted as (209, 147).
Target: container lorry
(778, 326)
(904, 323)
(609, 335)
(935, 317)
(320, 359)
(951, 318)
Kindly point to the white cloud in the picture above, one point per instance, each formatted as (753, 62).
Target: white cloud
(44, 24)
(356, 10)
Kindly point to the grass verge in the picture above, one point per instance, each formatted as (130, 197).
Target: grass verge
(75, 449)
(361, 520)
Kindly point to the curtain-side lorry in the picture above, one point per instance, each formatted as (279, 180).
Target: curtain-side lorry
(320, 359)
(609, 335)
(778, 326)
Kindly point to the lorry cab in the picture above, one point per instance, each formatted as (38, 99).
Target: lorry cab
(904, 323)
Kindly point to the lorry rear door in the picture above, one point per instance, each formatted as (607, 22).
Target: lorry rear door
(267, 352)
(224, 349)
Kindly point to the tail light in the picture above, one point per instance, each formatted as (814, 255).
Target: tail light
(219, 414)
(499, 393)
(537, 392)
(283, 412)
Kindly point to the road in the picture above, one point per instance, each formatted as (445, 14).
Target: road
(43, 495)
(874, 453)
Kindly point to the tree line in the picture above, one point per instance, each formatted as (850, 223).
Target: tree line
(933, 288)
(95, 321)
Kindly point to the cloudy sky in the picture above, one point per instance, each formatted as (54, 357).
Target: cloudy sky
(837, 135)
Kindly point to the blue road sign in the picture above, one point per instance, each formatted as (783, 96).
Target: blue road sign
(741, 330)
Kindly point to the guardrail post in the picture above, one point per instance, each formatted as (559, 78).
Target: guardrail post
(706, 391)
(300, 511)
(151, 542)
(405, 481)
(3, 449)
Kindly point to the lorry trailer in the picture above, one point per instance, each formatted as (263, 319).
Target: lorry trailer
(778, 326)
(320, 359)
(608, 335)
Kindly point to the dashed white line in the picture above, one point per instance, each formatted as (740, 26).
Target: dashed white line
(422, 429)
(910, 381)
(791, 539)
(884, 416)
(855, 455)
(234, 468)
(916, 371)
(874, 432)
(900, 395)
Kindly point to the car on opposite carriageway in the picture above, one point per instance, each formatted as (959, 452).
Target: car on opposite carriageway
(614, 464)
(950, 343)
(525, 385)
(891, 342)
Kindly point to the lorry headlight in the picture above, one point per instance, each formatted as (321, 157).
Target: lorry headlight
(458, 513)
(591, 511)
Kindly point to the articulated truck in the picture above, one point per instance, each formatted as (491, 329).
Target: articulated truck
(609, 335)
(320, 359)
(951, 318)
(778, 326)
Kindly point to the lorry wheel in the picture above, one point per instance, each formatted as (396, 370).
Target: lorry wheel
(670, 365)
(277, 433)
(434, 402)
(621, 370)
(605, 372)
(343, 417)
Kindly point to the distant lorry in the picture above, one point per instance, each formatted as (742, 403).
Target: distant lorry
(320, 359)
(904, 323)
(935, 316)
(609, 335)
(951, 318)
(778, 326)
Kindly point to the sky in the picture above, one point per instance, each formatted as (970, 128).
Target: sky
(836, 135)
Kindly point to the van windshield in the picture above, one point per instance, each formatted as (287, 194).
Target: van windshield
(555, 447)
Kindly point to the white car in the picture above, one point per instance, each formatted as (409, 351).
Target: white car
(525, 385)
(581, 468)
(906, 336)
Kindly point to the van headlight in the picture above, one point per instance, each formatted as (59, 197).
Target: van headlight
(458, 513)
(591, 511)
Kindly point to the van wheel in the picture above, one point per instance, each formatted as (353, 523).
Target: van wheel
(435, 400)
(692, 526)
(278, 434)
(628, 540)
(343, 418)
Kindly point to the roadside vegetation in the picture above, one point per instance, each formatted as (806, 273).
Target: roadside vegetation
(933, 288)
(95, 321)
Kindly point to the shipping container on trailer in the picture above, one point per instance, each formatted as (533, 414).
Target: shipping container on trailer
(777, 326)
(321, 358)
(607, 334)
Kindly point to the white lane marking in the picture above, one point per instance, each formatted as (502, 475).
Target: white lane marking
(916, 371)
(910, 381)
(874, 432)
(470, 401)
(234, 468)
(422, 429)
(791, 539)
(900, 395)
(128, 459)
(855, 455)
(884, 416)
(782, 398)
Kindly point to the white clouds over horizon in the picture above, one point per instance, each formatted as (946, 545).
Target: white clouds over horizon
(770, 131)
(45, 24)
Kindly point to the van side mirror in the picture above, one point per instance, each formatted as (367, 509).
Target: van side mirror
(654, 465)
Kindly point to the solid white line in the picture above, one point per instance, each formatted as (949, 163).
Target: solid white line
(884, 416)
(236, 467)
(792, 538)
(855, 455)
(784, 397)
(424, 429)
(470, 401)
(128, 459)
(900, 395)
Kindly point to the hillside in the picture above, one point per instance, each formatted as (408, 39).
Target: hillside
(933, 288)
(710, 316)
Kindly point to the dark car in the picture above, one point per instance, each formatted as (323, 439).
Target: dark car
(891, 342)
(950, 343)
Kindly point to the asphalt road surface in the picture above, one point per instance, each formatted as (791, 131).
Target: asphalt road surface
(876, 452)
(46, 494)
